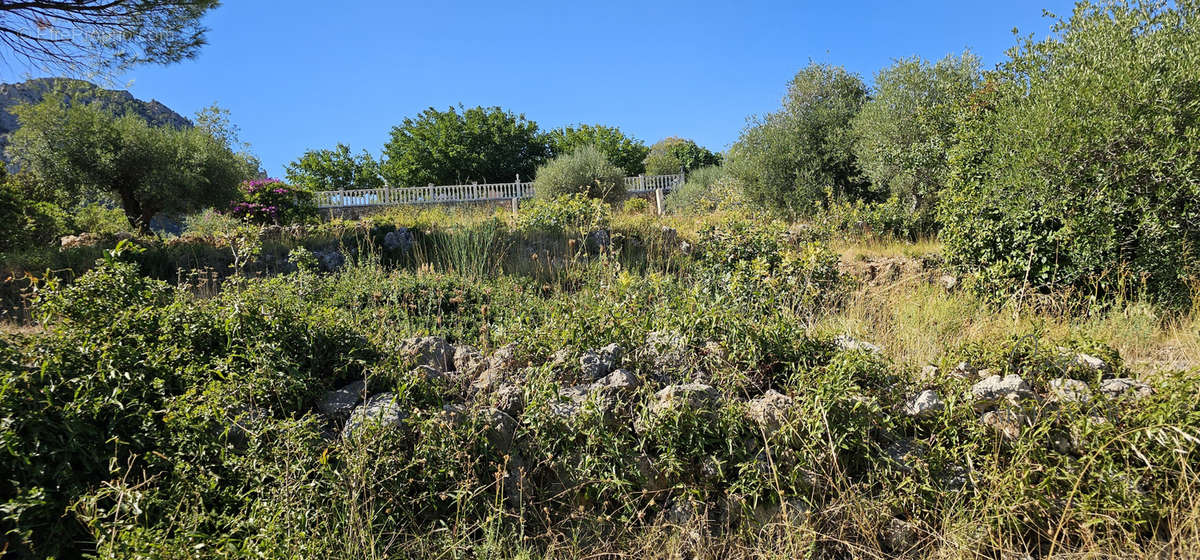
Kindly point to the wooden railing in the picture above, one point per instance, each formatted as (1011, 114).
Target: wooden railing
(454, 194)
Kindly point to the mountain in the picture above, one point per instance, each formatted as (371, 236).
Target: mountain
(78, 91)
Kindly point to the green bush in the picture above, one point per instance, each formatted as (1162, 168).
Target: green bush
(753, 263)
(705, 190)
(791, 162)
(623, 151)
(584, 171)
(670, 155)
(570, 214)
(26, 223)
(101, 219)
(210, 223)
(889, 219)
(636, 205)
(1076, 164)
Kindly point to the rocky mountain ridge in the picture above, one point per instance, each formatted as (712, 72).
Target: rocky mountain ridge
(119, 102)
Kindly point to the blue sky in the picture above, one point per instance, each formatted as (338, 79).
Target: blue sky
(307, 74)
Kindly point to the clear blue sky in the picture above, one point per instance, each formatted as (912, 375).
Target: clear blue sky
(308, 74)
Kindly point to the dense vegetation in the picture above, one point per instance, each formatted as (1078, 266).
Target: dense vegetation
(952, 315)
(1078, 163)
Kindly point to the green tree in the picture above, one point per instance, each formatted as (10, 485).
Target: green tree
(335, 170)
(623, 151)
(91, 36)
(669, 155)
(902, 134)
(459, 146)
(216, 121)
(794, 160)
(1078, 162)
(82, 150)
(584, 171)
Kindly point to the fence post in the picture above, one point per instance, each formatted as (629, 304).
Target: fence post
(658, 200)
(514, 206)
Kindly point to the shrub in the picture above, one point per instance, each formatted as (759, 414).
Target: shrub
(271, 201)
(794, 160)
(101, 219)
(25, 223)
(585, 171)
(1076, 164)
(892, 218)
(752, 263)
(669, 155)
(706, 189)
(210, 223)
(623, 151)
(636, 205)
(572, 213)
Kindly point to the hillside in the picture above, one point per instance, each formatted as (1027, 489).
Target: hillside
(119, 101)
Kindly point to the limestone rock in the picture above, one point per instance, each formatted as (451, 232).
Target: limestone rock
(849, 343)
(338, 404)
(1008, 423)
(595, 364)
(382, 411)
(469, 362)
(995, 389)
(400, 240)
(1125, 387)
(926, 403)
(510, 399)
(770, 411)
(1069, 390)
(430, 351)
(330, 260)
(691, 395)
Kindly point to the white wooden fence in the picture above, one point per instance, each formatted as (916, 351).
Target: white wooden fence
(453, 194)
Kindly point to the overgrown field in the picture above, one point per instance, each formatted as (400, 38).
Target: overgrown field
(574, 384)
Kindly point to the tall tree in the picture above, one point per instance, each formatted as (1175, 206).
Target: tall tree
(459, 146)
(99, 36)
(82, 150)
(335, 170)
(902, 134)
(792, 160)
(621, 150)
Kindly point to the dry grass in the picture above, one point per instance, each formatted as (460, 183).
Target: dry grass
(915, 319)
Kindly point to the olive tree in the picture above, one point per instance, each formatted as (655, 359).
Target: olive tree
(903, 132)
(584, 171)
(794, 160)
(82, 151)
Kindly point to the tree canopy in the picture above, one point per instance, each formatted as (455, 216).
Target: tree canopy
(669, 155)
(1077, 164)
(99, 36)
(792, 160)
(334, 170)
(460, 146)
(902, 134)
(83, 151)
(621, 150)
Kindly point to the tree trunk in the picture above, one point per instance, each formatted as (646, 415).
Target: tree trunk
(138, 216)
